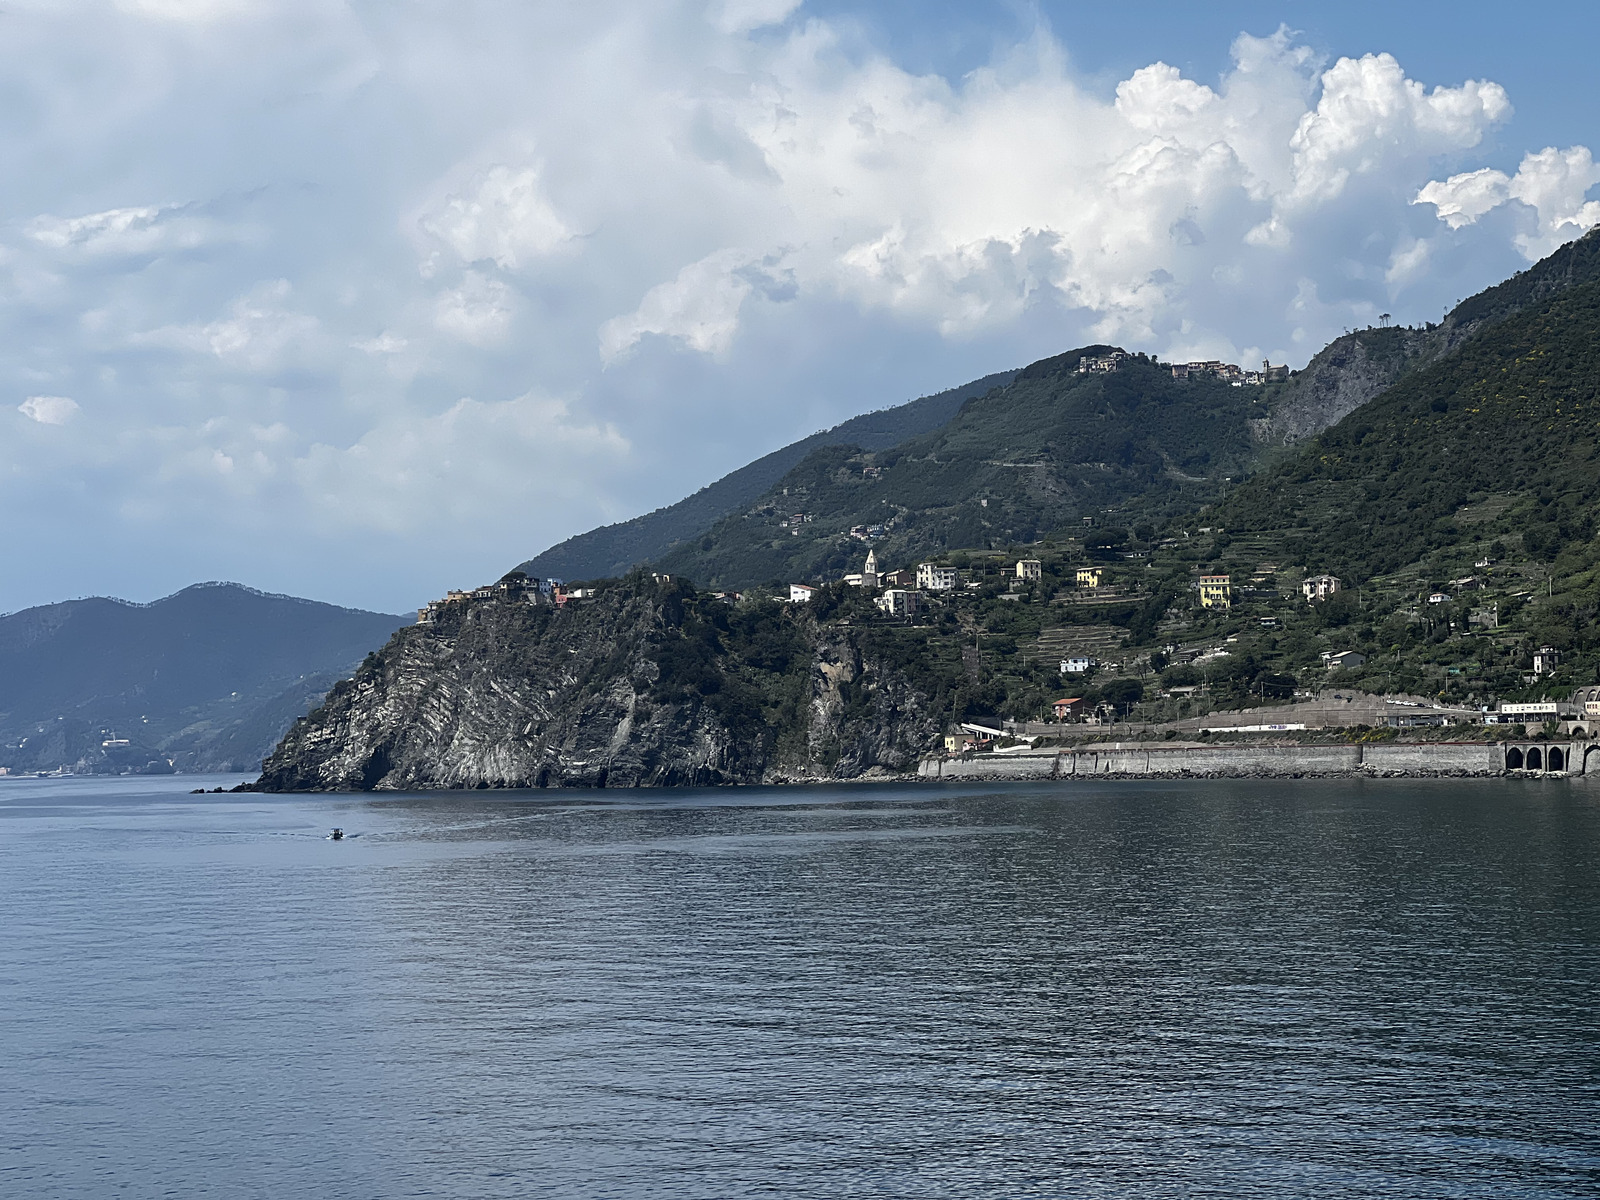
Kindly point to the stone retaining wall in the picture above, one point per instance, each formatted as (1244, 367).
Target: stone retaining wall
(1381, 758)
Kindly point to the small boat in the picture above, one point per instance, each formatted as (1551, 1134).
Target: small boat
(337, 835)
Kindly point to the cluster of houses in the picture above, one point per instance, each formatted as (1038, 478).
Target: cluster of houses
(902, 590)
(1106, 364)
(515, 588)
(1103, 364)
(1231, 373)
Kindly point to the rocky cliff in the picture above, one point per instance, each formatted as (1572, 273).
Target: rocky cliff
(644, 684)
(1358, 367)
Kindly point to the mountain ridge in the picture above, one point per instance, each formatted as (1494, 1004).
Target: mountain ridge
(615, 549)
(198, 680)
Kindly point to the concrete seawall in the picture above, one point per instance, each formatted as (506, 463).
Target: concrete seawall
(1378, 759)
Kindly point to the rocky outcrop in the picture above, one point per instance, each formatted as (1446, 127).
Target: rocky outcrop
(645, 684)
(1346, 374)
(1356, 368)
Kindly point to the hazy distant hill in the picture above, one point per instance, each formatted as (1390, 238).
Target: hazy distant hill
(204, 679)
(615, 549)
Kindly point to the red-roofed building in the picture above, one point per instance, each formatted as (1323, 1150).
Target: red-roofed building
(1070, 709)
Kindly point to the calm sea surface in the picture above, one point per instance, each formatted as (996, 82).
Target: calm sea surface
(1240, 989)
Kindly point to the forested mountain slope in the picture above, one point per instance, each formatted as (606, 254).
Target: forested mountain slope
(1130, 448)
(617, 549)
(1459, 509)
(1496, 446)
(1036, 456)
(1357, 367)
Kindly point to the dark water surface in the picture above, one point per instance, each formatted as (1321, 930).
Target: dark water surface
(1316, 988)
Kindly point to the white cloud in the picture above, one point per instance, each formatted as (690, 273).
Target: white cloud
(384, 343)
(1462, 199)
(1370, 116)
(1552, 183)
(699, 306)
(478, 312)
(416, 469)
(124, 232)
(503, 216)
(741, 16)
(260, 332)
(49, 410)
(324, 220)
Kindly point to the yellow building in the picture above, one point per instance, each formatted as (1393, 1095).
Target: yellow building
(1090, 576)
(1215, 592)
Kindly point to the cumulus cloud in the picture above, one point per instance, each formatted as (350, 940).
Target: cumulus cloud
(260, 332)
(709, 226)
(478, 312)
(700, 305)
(964, 206)
(741, 16)
(49, 410)
(416, 468)
(503, 216)
(1551, 184)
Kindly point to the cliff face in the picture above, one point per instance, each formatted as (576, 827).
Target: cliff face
(1344, 375)
(642, 685)
(1358, 367)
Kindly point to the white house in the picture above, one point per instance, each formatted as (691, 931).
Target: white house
(1030, 568)
(799, 593)
(1080, 664)
(1343, 660)
(898, 602)
(934, 578)
(1319, 587)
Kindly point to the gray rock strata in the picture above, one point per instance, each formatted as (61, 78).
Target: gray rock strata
(506, 694)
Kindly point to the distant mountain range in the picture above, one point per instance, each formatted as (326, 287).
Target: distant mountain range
(205, 679)
(1424, 461)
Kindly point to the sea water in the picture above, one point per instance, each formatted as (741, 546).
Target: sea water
(1232, 989)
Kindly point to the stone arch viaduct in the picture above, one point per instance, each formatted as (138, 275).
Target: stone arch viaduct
(1573, 757)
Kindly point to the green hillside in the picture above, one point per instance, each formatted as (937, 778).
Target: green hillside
(1491, 456)
(1459, 507)
(1130, 447)
(617, 549)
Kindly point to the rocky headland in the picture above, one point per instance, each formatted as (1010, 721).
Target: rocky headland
(644, 683)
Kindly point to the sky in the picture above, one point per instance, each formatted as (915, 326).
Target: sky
(361, 301)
